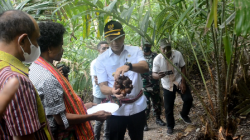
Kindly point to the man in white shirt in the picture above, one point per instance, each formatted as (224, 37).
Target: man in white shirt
(172, 82)
(98, 96)
(118, 60)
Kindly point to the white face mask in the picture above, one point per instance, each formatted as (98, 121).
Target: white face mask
(35, 52)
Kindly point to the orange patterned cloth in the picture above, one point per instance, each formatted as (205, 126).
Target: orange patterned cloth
(72, 101)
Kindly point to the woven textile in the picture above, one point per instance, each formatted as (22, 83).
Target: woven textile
(73, 103)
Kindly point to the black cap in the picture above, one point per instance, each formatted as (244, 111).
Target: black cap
(164, 43)
(113, 28)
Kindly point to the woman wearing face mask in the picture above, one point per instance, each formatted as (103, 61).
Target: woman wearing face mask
(151, 87)
(65, 111)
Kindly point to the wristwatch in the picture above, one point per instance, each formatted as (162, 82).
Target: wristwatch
(130, 65)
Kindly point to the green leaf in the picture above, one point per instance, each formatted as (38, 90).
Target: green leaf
(242, 20)
(210, 17)
(228, 20)
(1, 9)
(176, 1)
(99, 4)
(68, 11)
(110, 7)
(183, 15)
(126, 14)
(22, 4)
(88, 23)
(6, 5)
(53, 13)
(141, 9)
(215, 5)
(9, 4)
(89, 3)
(228, 48)
(145, 22)
(129, 3)
(100, 26)
(160, 17)
(45, 5)
(129, 12)
(245, 113)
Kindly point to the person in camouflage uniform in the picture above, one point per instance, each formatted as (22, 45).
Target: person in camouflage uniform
(151, 87)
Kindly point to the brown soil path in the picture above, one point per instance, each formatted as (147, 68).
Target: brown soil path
(184, 131)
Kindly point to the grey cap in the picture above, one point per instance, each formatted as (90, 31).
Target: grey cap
(164, 43)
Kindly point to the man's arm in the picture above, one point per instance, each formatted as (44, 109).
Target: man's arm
(7, 94)
(106, 90)
(23, 96)
(156, 68)
(76, 118)
(158, 76)
(141, 67)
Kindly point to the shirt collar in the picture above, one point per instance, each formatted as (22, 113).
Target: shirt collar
(110, 52)
(12, 60)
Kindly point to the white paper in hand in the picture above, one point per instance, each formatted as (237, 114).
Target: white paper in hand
(108, 107)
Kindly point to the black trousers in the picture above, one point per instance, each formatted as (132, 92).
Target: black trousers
(134, 123)
(169, 98)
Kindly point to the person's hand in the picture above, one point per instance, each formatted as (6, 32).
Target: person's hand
(96, 80)
(183, 87)
(7, 94)
(161, 74)
(101, 115)
(89, 105)
(117, 94)
(60, 70)
(121, 70)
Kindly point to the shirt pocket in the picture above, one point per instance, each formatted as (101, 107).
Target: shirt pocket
(111, 70)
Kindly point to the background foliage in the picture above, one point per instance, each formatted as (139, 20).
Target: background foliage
(211, 34)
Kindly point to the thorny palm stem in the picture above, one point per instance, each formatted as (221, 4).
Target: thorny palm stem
(222, 30)
(234, 62)
(220, 96)
(203, 79)
(209, 70)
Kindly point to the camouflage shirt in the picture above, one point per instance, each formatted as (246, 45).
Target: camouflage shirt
(147, 79)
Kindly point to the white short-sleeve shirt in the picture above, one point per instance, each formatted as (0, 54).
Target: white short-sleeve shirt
(96, 89)
(106, 65)
(160, 64)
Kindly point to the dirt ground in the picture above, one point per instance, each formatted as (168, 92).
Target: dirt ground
(184, 131)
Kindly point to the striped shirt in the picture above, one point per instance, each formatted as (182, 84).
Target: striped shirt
(21, 116)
